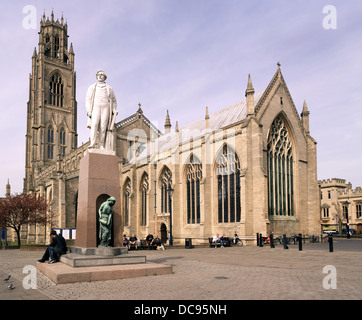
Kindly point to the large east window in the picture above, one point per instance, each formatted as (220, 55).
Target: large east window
(280, 170)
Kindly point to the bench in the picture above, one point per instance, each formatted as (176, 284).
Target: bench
(226, 244)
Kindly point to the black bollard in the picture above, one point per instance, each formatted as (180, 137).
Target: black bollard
(261, 240)
(300, 242)
(330, 240)
(272, 240)
(257, 240)
(285, 241)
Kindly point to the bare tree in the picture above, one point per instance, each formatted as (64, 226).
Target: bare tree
(24, 209)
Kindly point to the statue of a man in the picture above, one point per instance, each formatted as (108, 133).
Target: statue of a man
(105, 221)
(101, 107)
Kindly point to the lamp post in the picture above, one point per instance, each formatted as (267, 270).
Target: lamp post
(170, 194)
(346, 203)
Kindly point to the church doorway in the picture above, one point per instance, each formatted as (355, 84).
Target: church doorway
(163, 233)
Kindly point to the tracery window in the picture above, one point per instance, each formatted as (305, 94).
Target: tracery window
(62, 145)
(280, 170)
(193, 178)
(228, 185)
(56, 47)
(126, 202)
(144, 193)
(166, 181)
(50, 143)
(56, 94)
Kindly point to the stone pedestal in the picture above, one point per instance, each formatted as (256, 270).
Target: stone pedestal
(98, 180)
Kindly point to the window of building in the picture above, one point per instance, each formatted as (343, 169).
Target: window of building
(144, 193)
(325, 212)
(358, 210)
(166, 181)
(329, 194)
(56, 94)
(345, 211)
(126, 202)
(56, 47)
(228, 185)
(62, 145)
(193, 178)
(50, 143)
(280, 170)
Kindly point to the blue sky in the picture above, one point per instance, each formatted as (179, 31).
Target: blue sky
(184, 55)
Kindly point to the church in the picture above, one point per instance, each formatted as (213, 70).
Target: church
(249, 168)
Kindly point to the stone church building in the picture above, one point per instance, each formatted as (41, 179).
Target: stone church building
(249, 168)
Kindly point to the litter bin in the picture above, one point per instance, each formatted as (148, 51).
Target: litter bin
(188, 243)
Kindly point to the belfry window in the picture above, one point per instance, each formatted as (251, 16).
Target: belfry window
(56, 96)
(144, 192)
(166, 181)
(228, 186)
(56, 47)
(280, 170)
(50, 143)
(62, 145)
(193, 178)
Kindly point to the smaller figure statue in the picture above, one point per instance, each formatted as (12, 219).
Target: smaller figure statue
(105, 221)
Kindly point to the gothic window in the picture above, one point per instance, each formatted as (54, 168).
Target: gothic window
(47, 45)
(280, 170)
(144, 192)
(166, 181)
(56, 94)
(56, 47)
(193, 178)
(345, 211)
(50, 143)
(62, 142)
(126, 202)
(325, 212)
(228, 186)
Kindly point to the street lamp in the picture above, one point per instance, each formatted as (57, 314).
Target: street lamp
(346, 203)
(170, 194)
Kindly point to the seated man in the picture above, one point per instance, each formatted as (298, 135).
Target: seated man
(57, 247)
(217, 240)
(225, 240)
(125, 241)
(132, 241)
(157, 241)
(149, 240)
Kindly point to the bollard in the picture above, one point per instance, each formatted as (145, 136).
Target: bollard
(285, 241)
(330, 240)
(272, 240)
(257, 240)
(261, 240)
(300, 242)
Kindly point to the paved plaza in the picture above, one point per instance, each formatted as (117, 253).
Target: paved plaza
(235, 273)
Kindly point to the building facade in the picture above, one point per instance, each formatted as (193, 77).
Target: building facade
(340, 204)
(248, 168)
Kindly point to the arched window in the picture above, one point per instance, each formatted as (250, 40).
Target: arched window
(62, 145)
(228, 185)
(56, 47)
(126, 196)
(166, 181)
(193, 178)
(280, 170)
(56, 94)
(144, 192)
(50, 143)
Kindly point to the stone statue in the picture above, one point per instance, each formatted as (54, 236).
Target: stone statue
(105, 221)
(101, 107)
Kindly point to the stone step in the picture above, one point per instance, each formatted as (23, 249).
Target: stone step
(78, 260)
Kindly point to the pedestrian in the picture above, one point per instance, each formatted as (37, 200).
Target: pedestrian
(56, 248)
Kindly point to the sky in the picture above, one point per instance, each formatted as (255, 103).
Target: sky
(184, 55)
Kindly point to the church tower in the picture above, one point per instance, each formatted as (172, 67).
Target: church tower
(52, 106)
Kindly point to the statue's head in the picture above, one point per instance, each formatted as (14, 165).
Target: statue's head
(101, 75)
(111, 200)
